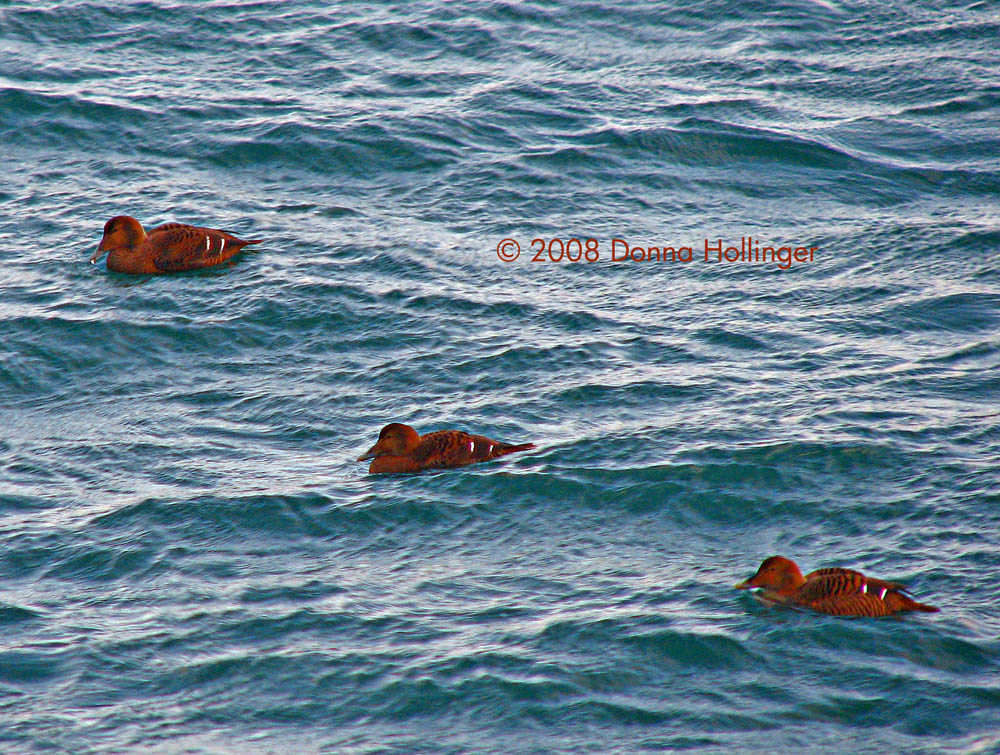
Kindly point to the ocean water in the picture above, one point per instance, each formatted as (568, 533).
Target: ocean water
(191, 560)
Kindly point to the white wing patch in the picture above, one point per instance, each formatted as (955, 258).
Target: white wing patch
(208, 244)
(881, 595)
(864, 587)
(222, 246)
(472, 447)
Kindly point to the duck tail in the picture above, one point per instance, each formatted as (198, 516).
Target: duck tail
(900, 601)
(508, 448)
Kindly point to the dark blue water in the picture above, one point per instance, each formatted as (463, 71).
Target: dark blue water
(192, 561)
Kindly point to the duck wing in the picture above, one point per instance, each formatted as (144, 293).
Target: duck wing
(179, 247)
(455, 448)
(845, 592)
(444, 448)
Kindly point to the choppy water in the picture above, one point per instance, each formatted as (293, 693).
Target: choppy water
(190, 559)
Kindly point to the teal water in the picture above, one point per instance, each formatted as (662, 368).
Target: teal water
(192, 561)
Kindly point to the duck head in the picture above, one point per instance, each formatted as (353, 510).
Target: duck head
(394, 440)
(119, 232)
(777, 574)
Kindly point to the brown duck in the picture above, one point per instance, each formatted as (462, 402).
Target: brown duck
(168, 248)
(401, 449)
(841, 592)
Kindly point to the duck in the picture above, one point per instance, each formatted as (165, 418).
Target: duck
(401, 449)
(835, 591)
(168, 248)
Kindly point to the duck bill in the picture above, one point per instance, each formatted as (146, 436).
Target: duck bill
(98, 253)
(370, 453)
(746, 584)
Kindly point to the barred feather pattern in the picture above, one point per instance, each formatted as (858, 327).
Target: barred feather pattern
(454, 448)
(846, 592)
(179, 247)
